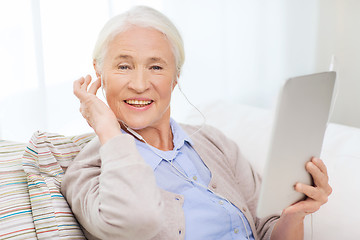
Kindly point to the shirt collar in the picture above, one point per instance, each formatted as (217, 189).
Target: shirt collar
(179, 139)
(179, 135)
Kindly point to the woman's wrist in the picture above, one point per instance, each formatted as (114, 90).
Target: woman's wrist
(289, 226)
(106, 133)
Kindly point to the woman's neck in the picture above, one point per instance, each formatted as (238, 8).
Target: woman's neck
(160, 136)
(160, 139)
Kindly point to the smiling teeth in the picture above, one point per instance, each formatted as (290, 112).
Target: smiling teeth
(138, 102)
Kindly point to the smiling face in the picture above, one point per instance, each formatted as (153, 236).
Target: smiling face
(139, 74)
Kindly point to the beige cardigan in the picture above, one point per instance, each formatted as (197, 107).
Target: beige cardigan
(113, 193)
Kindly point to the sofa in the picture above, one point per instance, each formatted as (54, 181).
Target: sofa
(32, 207)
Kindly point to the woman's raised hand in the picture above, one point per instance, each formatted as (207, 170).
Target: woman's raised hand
(98, 115)
(290, 224)
(318, 194)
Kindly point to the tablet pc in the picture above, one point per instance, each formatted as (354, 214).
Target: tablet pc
(299, 126)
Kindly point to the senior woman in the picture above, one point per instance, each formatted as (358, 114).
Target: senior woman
(145, 176)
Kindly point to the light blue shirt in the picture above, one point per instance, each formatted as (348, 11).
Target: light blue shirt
(207, 216)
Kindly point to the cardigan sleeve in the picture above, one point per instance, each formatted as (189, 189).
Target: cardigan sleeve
(249, 182)
(113, 192)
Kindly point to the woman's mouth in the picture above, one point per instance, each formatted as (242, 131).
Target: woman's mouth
(138, 103)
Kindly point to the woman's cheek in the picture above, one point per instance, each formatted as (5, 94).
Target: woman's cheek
(114, 104)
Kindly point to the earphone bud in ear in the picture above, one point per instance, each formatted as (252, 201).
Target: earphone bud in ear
(102, 85)
(102, 81)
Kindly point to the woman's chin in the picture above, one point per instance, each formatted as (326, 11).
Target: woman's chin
(134, 124)
(143, 121)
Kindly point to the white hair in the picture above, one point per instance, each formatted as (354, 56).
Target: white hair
(141, 16)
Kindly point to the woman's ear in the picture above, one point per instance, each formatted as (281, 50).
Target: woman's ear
(99, 75)
(96, 69)
(174, 83)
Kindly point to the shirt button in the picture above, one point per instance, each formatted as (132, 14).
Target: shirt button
(236, 231)
(195, 178)
(244, 209)
(221, 202)
(214, 185)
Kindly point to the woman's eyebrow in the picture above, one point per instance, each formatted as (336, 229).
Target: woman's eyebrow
(157, 59)
(124, 57)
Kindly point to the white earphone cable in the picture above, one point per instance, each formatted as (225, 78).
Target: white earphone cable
(332, 67)
(183, 175)
(312, 227)
(202, 115)
(177, 171)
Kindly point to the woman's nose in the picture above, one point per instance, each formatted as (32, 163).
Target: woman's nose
(139, 82)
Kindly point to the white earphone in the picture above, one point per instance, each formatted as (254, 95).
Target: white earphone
(102, 85)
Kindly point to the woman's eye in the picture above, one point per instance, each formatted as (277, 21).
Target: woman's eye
(123, 67)
(156, 67)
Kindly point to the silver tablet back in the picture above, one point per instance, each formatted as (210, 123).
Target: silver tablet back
(299, 126)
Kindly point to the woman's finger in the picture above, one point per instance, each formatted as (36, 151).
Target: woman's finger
(317, 194)
(86, 83)
(77, 87)
(95, 86)
(320, 164)
(320, 178)
(307, 206)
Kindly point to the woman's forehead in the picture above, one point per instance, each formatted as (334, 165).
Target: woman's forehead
(140, 41)
(149, 59)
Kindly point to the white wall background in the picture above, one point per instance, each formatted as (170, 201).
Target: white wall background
(236, 51)
(339, 33)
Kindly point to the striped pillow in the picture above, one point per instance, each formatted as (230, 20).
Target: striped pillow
(45, 160)
(16, 220)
